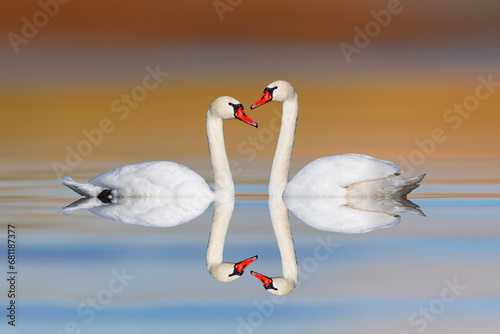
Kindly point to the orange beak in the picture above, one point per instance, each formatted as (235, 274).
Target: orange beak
(267, 281)
(264, 99)
(240, 114)
(240, 267)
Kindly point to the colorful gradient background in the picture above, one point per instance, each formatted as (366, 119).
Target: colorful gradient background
(391, 96)
(394, 92)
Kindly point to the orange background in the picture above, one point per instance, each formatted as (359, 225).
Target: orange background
(393, 93)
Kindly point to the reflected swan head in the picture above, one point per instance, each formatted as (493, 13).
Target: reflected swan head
(228, 271)
(226, 107)
(276, 285)
(277, 91)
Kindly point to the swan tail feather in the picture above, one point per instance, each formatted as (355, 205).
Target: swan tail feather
(84, 189)
(407, 186)
(393, 186)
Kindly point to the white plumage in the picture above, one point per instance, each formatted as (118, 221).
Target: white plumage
(152, 179)
(332, 175)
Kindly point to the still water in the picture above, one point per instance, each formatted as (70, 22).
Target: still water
(83, 273)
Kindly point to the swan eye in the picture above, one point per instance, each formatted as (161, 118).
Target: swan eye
(236, 106)
(270, 90)
(236, 272)
(270, 287)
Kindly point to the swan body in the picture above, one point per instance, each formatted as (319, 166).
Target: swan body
(347, 175)
(152, 179)
(169, 179)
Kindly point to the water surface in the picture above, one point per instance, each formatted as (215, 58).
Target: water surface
(379, 282)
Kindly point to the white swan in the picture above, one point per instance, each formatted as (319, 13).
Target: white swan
(220, 270)
(285, 284)
(169, 179)
(347, 175)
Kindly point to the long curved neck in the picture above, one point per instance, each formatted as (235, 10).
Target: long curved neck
(223, 180)
(284, 148)
(283, 232)
(223, 210)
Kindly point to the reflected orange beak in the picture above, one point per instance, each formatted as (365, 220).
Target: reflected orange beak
(264, 99)
(241, 266)
(240, 114)
(267, 281)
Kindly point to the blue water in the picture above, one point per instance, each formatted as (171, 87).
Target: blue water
(377, 282)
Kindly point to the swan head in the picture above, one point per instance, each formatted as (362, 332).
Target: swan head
(226, 107)
(277, 91)
(276, 285)
(227, 271)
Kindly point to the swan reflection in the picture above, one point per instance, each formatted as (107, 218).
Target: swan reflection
(285, 284)
(350, 215)
(144, 211)
(343, 215)
(220, 270)
(169, 212)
